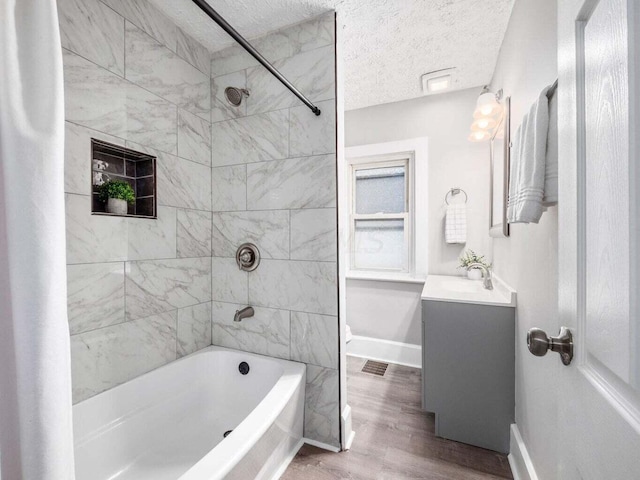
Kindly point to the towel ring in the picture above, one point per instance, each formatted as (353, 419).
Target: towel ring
(455, 191)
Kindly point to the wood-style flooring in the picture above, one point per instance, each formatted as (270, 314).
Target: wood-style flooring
(394, 437)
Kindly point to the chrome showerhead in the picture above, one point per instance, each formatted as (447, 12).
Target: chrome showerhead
(234, 95)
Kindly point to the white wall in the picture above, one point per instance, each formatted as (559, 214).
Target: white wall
(528, 259)
(391, 311)
(384, 310)
(453, 161)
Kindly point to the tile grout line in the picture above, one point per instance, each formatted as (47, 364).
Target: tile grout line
(257, 65)
(289, 234)
(149, 260)
(129, 321)
(219, 211)
(289, 133)
(179, 57)
(125, 140)
(176, 337)
(178, 132)
(160, 205)
(273, 160)
(131, 82)
(274, 110)
(177, 236)
(277, 308)
(124, 45)
(159, 40)
(290, 337)
(246, 187)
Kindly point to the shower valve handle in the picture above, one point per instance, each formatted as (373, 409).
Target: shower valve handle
(248, 257)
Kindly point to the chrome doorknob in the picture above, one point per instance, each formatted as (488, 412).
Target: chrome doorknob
(539, 343)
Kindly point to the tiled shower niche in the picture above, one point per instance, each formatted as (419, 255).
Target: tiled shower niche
(112, 162)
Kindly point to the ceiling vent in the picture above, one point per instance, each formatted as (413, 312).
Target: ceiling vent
(438, 81)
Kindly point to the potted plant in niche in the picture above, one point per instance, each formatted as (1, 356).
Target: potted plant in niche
(117, 194)
(470, 257)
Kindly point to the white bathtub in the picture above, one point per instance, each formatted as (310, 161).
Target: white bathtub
(170, 423)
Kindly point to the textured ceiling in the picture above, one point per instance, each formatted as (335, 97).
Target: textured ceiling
(388, 44)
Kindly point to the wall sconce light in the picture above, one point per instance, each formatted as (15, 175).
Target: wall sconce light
(486, 115)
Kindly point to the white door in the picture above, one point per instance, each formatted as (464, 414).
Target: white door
(599, 108)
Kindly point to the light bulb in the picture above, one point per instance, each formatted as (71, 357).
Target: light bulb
(478, 136)
(483, 123)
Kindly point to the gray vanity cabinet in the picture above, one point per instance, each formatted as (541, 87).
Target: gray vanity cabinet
(468, 368)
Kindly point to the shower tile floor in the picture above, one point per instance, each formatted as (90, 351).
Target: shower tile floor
(394, 437)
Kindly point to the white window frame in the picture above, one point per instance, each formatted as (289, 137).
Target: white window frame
(407, 160)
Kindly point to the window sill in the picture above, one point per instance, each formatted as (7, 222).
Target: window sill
(382, 277)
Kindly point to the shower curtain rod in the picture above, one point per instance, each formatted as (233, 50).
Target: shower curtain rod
(216, 17)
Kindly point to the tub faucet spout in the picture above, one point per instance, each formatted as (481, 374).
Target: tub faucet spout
(243, 313)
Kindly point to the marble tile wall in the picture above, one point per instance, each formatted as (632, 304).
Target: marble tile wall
(139, 290)
(143, 292)
(273, 184)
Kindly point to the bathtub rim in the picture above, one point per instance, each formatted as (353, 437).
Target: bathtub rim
(219, 461)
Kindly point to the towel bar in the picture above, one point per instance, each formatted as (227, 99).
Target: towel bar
(455, 191)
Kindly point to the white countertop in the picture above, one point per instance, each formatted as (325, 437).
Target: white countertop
(443, 288)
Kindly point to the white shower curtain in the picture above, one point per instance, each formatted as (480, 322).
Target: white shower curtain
(36, 441)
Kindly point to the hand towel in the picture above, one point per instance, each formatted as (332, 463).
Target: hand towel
(455, 228)
(551, 169)
(526, 189)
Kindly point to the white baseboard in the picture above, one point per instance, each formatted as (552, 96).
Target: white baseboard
(349, 441)
(324, 446)
(519, 459)
(385, 351)
(347, 429)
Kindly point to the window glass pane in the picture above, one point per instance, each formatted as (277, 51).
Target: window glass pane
(379, 244)
(380, 190)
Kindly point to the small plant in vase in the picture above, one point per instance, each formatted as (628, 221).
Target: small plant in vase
(469, 258)
(116, 194)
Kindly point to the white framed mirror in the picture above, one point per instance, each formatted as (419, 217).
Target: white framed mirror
(499, 177)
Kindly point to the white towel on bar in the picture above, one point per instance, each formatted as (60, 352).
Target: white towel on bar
(551, 168)
(526, 189)
(455, 227)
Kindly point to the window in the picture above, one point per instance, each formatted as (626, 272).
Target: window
(381, 216)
